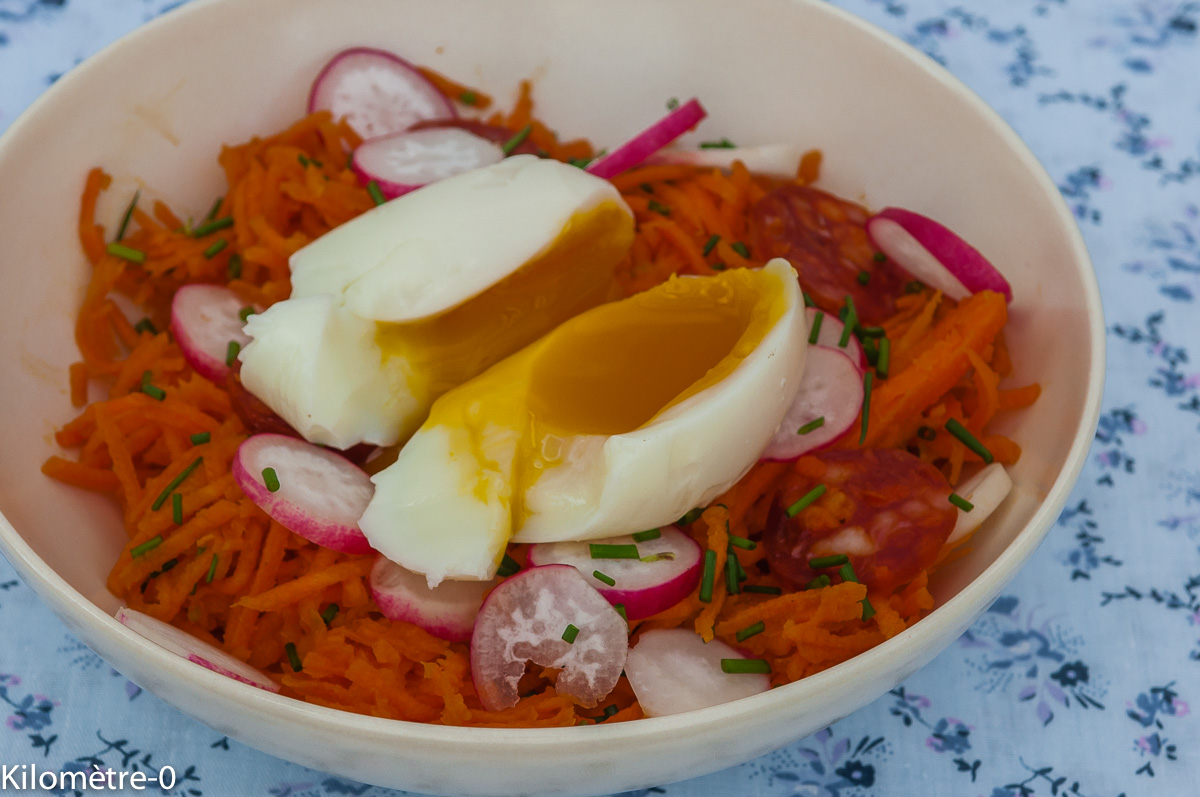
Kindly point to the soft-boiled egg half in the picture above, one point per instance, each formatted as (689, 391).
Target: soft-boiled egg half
(622, 419)
(401, 304)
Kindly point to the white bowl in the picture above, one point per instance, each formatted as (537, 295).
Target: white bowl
(895, 129)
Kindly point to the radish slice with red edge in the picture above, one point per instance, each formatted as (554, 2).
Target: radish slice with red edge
(377, 92)
(447, 611)
(403, 162)
(779, 160)
(934, 254)
(673, 670)
(986, 490)
(830, 390)
(649, 141)
(194, 650)
(527, 618)
(830, 334)
(204, 320)
(318, 494)
(667, 571)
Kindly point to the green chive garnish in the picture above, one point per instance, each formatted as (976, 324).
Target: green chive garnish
(742, 542)
(609, 580)
(293, 656)
(145, 325)
(809, 497)
(822, 562)
(331, 611)
(235, 266)
(691, 517)
(154, 391)
(864, 277)
(871, 332)
(750, 631)
(246, 312)
(212, 569)
(178, 480)
(146, 547)
(722, 144)
(177, 509)
(868, 610)
(745, 666)
(620, 607)
(659, 207)
(610, 710)
(648, 534)
(815, 331)
(926, 433)
(126, 253)
(209, 227)
(376, 194)
(762, 589)
(603, 551)
(517, 140)
(868, 381)
(847, 574)
(128, 215)
(711, 244)
(811, 426)
(200, 438)
(969, 440)
(732, 585)
(880, 257)
(231, 352)
(212, 212)
(569, 634)
(916, 286)
(808, 302)
(304, 161)
(885, 358)
(718, 266)
(672, 103)
(961, 502)
(740, 248)
(818, 582)
(508, 567)
(271, 479)
(468, 97)
(871, 351)
(649, 189)
(710, 574)
(580, 163)
(217, 247)
(850, 321)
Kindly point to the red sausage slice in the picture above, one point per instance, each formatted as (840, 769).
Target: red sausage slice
(884, 508)
(825, 239)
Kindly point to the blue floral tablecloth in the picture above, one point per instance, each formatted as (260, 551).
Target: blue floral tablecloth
(1078, 680)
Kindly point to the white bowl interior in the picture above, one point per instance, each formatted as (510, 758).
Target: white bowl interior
(154, 110)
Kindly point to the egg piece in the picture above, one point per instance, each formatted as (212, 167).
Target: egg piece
(621, 419)
(399, 305)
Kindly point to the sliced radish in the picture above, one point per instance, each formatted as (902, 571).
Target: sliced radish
(934, 254)
(830, 334)
(525, 619)
(402, 162)
(494, 133)
(320, 495)
(987, 489)
(780, 160)
(447, 611)
(831, 389)
(673, 670)
(194, 650)
(205, 319)
(377, 92)
(667, 572)
(649, 141)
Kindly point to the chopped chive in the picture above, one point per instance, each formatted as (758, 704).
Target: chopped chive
(331, 611)
(745, 666)
(376, 194)
(603, 551)
(154, 391)
(517, 140)
(212, 212)
(649, 189)
(916, 286)
(818, 582)
(762, 589)
(884, 363)
(672, 103)
(659, 207)
(610, 710)
(808, 302)
(871, 332)
(750, 631)
(659, 557)
(691, 517)
(200, 438)
(167, 566)
(847, 573)
(178, 480)
(579, 163)
(209, 227)
(146, 547)
(126, 253)
(609, 580)
(822, 562)
(293, 656)
(732, 585)
(508, 567)
(961, 502)
(620, 607)
(304, 161)
(718, 266)
(811, 426)
(969, 440)
(246, 312)
(711, 244)
(868, 610)
(868, 381)
(863, 277)
(128, 215)
(235, 266)
(177, 509)
(271, 479)
(217, 247)
(724, 143)
(809, 497)
(570, 633)
(742, 575)
(851, 321)
(710, 574)
(742, 542)
(231, 352)
(212, 569)
(870, 351)
(145, 325)
(648, 534)
(880, 257)
(468, 97)
(926, 433)
(740, 248)
(815, 331)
